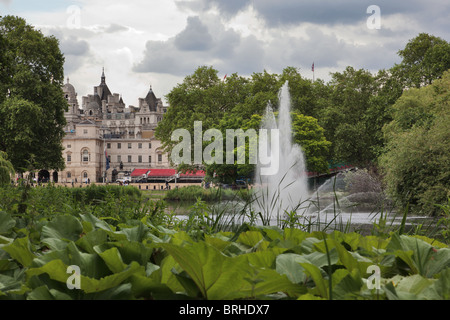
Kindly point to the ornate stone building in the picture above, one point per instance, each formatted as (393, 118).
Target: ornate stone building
(105, 127)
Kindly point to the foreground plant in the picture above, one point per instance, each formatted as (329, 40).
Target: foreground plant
(141, 260)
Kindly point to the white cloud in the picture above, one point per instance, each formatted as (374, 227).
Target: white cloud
(144, 42)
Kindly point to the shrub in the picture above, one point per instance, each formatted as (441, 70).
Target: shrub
(417, 158)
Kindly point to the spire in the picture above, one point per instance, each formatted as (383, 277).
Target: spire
(103, 76)
(67, 79)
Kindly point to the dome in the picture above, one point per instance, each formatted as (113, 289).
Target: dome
(68, 88)
(93, 105)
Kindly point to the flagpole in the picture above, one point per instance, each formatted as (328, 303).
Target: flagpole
(313, 71)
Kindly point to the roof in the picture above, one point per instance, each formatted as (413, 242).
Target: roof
(151, 100)
(165, 173)
(139, 172)
(87, 122)
(198, 173)
(162, 172)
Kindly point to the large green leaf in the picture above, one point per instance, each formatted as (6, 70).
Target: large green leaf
(250, 238)
(409, 288)
(96, 222)
(346, 285)
(57, 270)
(440, 289)
(64, 227)
(113, 260)
(129, 251)
(419, 255)
(6, 223)
(216, 275)
(20, 250)
(316, 274)
(144, 287)
(137, 233)
(44, 293)
(91, 239)
(288, 264)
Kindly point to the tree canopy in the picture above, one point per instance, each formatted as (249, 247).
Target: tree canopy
(239, 103)
(416, 161)
(32, 103)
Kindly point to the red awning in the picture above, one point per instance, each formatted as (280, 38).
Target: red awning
(162, 172)
(139, 172)
(166, 173)
(198, 173)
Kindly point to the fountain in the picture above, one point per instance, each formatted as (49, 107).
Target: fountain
(286, 191)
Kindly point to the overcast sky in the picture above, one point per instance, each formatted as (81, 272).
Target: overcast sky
(159, 42)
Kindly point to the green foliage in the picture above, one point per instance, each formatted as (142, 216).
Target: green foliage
(130, 261)
(416, 161)
(32, 104)
(192, 193)
(239, 103)
(424, 59)
(6, 169)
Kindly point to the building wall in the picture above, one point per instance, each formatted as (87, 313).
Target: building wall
(126, 134)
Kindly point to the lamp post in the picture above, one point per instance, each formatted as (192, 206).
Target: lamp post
(104, 151)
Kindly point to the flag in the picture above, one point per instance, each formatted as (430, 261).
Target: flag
(107, 160)
(312, 67)
(225, 76)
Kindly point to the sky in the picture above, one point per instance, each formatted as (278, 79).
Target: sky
(157, 43)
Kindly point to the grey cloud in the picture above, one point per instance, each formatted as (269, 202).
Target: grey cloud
(325, 12)
(227, 7)
(195, 37)
(223, 49)
(73, 46)
(112, 28)
(76, 51)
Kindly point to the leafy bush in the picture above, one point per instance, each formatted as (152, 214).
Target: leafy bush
(192, 193)
(417, 157)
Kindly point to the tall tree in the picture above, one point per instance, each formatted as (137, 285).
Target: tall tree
(424, 59)
(31, 86)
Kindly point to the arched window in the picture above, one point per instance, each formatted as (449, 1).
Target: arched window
(85, 175)
(85, 155)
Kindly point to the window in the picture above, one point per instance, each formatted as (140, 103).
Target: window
(140, 145)
(69, 158)
(108, 145)
(140, 159)
(69, 174)
(159, 157)
(149, 145)
(149, 159)
(85, 175)
(119, 146)
(85, 131)
(129, 159)
(69, 146)
(109, 159)
(129, 146)
(85, 156)
(119, 158)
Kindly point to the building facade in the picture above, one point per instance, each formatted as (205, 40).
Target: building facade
(104, 131)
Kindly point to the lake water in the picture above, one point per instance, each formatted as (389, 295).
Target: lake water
(235, 212)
